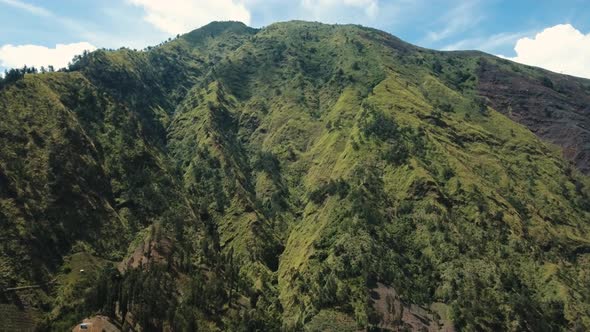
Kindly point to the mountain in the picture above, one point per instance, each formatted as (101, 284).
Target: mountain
(300, 177)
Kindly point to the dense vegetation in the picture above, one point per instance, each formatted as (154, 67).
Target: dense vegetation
(291, 178)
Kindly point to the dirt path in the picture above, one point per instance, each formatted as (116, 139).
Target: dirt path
(29, 286)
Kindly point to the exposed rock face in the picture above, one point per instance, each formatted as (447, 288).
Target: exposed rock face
(555, 107)
(149, 252)
(395, 315)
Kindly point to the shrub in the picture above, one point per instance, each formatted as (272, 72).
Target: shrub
(547, 82)
(333, 187)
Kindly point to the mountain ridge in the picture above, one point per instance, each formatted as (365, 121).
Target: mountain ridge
(295, 175)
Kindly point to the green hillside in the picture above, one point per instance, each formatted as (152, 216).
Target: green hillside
(301, 177)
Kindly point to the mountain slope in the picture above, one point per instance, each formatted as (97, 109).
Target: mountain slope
(299, 177)
(555, 107)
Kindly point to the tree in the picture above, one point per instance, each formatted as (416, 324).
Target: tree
(437, 67)
(14, 75)
(482, 105)
(329, 290)
(547, 82)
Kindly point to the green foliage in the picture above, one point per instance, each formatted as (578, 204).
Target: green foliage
(338, 187)
(381, 127)
(546, 81)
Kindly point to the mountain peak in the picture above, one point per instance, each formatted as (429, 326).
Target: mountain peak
(217, 28)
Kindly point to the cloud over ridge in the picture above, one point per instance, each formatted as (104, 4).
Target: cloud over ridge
(181, 16)
(12, 56)
(560, 48)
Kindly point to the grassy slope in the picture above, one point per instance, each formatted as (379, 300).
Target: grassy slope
(472, 192)
(83, 164)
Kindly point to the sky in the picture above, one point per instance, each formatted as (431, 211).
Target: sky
(551, 34)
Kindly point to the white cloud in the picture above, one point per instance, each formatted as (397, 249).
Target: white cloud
(320, 7)
(487, 44)
(561, 48)
(459, 19)
(181, 16)
(35, 10)
(34, 55)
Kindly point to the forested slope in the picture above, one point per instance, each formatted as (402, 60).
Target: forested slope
(298, 177)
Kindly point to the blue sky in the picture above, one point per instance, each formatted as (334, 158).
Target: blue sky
(494, 26)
